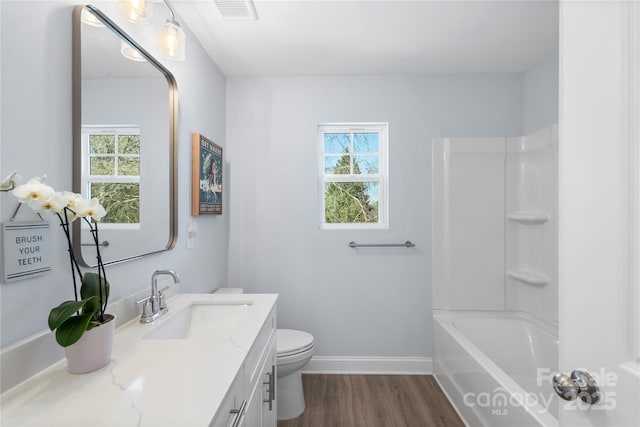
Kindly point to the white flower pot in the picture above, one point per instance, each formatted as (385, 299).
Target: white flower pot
(93, 349)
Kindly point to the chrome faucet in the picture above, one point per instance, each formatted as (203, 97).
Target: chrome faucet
(154, 305)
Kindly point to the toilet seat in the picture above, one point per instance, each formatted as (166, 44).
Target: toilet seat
(291, 342)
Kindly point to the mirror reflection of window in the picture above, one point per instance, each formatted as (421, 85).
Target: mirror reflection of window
(111, 172)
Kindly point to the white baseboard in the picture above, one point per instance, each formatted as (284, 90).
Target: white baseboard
(369, 365)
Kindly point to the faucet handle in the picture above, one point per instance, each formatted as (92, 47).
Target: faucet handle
(147, 309)
(162, 303)
(143, 300)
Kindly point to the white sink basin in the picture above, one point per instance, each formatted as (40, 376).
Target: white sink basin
(219, 317)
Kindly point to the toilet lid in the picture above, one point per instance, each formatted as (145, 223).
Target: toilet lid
(291, 341)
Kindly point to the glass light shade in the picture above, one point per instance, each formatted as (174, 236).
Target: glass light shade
(136, 11)
(171, 41)
(90, 19)
(130, 53)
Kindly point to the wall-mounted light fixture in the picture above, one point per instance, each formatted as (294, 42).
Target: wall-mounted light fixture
(136, 11)
(171, 38)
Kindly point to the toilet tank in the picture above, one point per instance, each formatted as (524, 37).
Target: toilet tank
(229, 291)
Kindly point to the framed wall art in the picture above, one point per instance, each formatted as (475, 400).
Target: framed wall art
(206, 186)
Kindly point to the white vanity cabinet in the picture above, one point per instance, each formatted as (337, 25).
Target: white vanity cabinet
(231, 411)
(220, 347)
(251, 400)
(268, 417)
(261, 409)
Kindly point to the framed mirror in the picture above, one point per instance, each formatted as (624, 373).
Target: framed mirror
(124, 139)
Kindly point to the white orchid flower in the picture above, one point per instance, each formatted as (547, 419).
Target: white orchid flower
(33, 190)
(92, 209)
(81, 208)
(56, 203)
(73, 199)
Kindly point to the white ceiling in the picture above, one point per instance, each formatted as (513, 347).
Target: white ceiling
(331, 37)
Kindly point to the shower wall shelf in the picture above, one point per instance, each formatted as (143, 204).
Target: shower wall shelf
(528, 218)
(528, 277)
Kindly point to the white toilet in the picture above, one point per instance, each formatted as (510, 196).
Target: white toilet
(294, 350)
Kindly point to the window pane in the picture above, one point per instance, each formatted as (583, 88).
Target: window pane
(337, 165)
(366, 164)
(102, 166)
(366, 142)
(336, 143)
(120, 200)
(351, 202)
(330, 163)
(374, 194)
(129, 144)
(129, 166)
(102, 144)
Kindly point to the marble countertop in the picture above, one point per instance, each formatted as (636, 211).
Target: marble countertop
(149, 382)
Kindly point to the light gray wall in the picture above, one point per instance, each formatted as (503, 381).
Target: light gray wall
(36, 139)
(355, 302)
(541, 99)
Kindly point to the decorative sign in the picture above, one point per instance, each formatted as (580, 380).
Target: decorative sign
(206, 185)
(25, 250)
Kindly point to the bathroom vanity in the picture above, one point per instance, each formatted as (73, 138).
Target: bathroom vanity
(210, 361)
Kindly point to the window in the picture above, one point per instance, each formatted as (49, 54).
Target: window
(353, 167)
(111, 171)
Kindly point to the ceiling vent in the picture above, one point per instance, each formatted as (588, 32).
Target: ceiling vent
(236, 9)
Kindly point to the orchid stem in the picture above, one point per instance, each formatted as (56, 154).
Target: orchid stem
(93, 226)
(64, 222)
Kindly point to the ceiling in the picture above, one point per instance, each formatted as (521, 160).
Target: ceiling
(338, 37)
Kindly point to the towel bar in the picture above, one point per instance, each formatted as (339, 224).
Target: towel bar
(407, 244)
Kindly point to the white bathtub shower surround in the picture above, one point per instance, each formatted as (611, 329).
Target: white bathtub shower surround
(495, 367)
(494, 224)
(468, 223)
(531, 249)
(495, 255)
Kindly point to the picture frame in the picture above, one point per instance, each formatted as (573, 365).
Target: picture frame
(206, 185)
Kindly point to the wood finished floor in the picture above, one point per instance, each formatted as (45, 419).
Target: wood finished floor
(374, 401)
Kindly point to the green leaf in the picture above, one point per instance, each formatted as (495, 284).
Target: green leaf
(71, 330)
(67, 309)
(93, 323)
(90, 288)
(91, 306)
(61, 313)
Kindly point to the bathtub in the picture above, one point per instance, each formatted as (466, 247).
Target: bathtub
(495, 367)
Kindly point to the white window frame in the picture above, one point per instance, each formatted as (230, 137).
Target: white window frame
(381, 177)
(88, 179)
